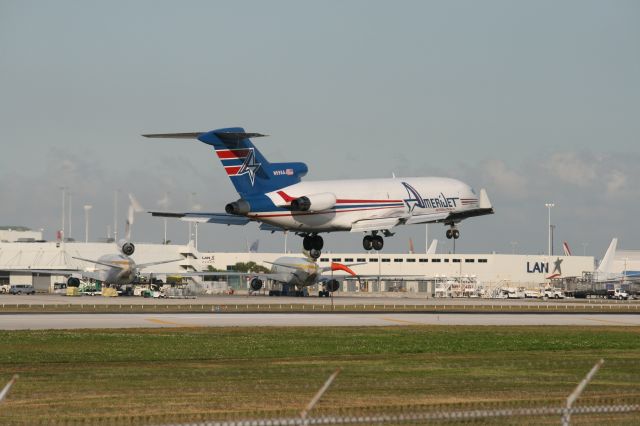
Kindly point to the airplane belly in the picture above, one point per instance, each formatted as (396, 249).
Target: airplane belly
(319, 222)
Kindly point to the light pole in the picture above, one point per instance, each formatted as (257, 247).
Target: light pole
(584, 248)
(514, 244)
(115, 215)
(548, 206)
(64, 204)
(69, 213)
(87, 207)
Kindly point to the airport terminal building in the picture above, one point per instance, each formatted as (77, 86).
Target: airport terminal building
(490, 270)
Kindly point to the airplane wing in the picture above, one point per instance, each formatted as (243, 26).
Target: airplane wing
(49, 271)
(271, 228)
(224, 274)
(221, 218)
(97, 262)
(160, 262)
(377, 224)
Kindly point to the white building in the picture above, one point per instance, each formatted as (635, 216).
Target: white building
(488, 269)
(19, 233)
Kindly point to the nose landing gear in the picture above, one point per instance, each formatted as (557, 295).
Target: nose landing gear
(453, 233)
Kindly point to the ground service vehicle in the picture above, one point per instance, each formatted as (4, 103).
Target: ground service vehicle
(22, 289)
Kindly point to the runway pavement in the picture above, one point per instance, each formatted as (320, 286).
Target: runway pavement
(104, 321)
(339, 299)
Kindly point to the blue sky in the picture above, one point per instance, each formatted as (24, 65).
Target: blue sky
(536, 101)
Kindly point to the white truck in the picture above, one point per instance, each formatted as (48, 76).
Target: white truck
(554, 293)
(617, 293)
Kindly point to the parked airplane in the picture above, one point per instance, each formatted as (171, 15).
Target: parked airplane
(606, 270)
(111, 269)
(274, 195)
(295, 272)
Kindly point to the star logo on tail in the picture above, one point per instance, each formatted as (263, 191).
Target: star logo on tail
(249, 166)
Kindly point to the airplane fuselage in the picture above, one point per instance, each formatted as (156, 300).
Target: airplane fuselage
(365, 199)
(117, 276)
(296, 271)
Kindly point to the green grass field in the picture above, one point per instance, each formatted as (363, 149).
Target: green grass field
(160, 375)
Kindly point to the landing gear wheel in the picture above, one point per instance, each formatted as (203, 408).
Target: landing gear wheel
(455, 234)
(315, 254)
(307, 243)
(367, 242)
(449, 234)
(378, 242)
(317, 242)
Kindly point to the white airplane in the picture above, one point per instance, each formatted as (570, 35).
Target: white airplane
(274, 195)
(296, 272)
(111, 269)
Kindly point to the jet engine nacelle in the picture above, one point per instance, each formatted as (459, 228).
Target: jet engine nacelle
(239, 207)
(73, 282)
(314, 202)
(332, 285)
(255, 284)
(126, 247)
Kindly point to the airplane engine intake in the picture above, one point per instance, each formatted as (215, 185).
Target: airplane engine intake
(332, 285)
(127, 248)
(73, 282)
(315, 202)
(255, 284)
(239, 207)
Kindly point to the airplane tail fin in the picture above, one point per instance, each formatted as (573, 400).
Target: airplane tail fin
(250, 172)
(433, 247)
(566, 249)
(607, 260)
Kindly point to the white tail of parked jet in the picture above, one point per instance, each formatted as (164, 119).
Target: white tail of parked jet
(433, 247)
(607, 260)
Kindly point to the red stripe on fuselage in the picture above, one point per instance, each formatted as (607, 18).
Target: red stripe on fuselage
(257, 216)
(287, 198)
(225, 154)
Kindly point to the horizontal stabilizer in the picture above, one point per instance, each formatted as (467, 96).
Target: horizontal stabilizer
(221, 218)
(193, 135)
(224, 136)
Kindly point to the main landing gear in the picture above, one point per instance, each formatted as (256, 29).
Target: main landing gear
(453, 233)
(313, 243)
(373, 241)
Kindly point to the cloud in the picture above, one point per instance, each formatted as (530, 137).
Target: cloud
(572, 168)
(499, 176)
(616, 183)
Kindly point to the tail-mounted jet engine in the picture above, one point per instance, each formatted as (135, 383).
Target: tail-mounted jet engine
(73, 282)
(255, 284)
(127, 248)
(315, 202)
(239, 207)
